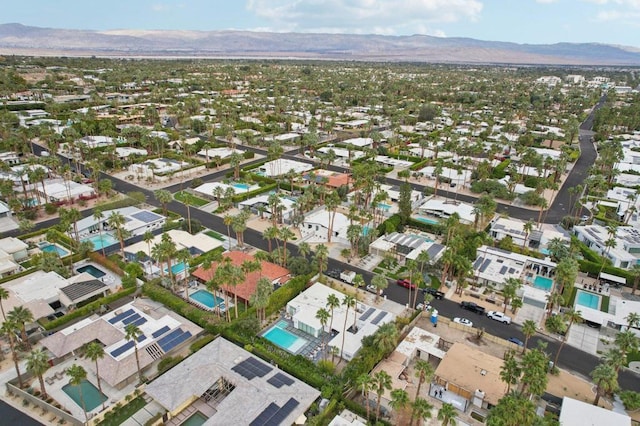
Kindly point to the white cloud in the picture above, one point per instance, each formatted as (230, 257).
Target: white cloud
(364, 16)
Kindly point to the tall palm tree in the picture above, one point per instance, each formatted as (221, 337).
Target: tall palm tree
(4, 295)
(511, 287)
(605, 379)
(260, 299)
(164, 197)
(421, 410)
(37, 364)
(380, 283)
(349, 302)
(381, 381)
(98, 217)
(285, 234)
(633, 318)
(94, 351)
(132, 333)
(21, 316)
(399, 399)
(572, 316)
(321, 258)
(386, 338)
(365, 383)
(77, 375)
(116, 221)
(627, 342)
(323, 316)
(510, 371)
(447, 415)
(228, 220)
(528, 329)
(8, 328)
(423, 371)
(270, 234)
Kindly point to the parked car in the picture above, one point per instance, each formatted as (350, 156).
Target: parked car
(406, 284)
(432, 291)
(371, 288)
(499, 316)
(463, 321)
(516, 341)
(470, 306)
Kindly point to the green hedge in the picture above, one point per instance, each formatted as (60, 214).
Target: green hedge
(500, 170)
(433, 228)
(593, 268)
(420, 164)
(88, 309)
(246, 195)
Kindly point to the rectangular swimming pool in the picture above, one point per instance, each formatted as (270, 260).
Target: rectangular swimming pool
(91, 270)
(207, 298)
(587, 299)
(177, 268)
(90, 395)
(100, 241)
(197, 419)
(53, 248)
(427, 220)
(286, 340)
(543, 283)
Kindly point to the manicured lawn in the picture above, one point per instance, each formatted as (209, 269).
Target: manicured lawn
(214, 234)
(124, 413)
(184, 196)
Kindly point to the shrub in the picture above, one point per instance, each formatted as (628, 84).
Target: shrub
(106, 262)
(50, 208)
(168, 363)
(493, 188)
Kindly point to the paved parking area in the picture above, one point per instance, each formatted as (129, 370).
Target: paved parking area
(584, 337)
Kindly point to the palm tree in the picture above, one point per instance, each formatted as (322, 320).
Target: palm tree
(77, 375)
(572, 316)
(447, 415)
(423, 371)
(94, 351)
(98, 217)
(21, 316)
(421, 410)
(321, 258)
(511, 287)
(8, 328)
(626, 341)
(380, 282)
(164, 197)
(132, 333)
(635, 273)
(304, 249)
(527, 228)
(381, 381)
(350, 302)
(37, 364)
(116, 221)
(386, 338)
(528, 329)
(270, 234)
(399, 399)
(323, 316)
(605, 379)
(4, 295)
(510, 371)
(228, 220)
(285, 235)
(260, 299)
(633, 318)
(365, 382)
(615, 358)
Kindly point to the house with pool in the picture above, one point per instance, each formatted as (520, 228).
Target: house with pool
(259, 206)
(282, 166)
(136, 222)
(315, 228)
(406, 246)
(435, 209)
(625, 254)
(223, 384)
(300, 331)
(209, 189)
(206, 300)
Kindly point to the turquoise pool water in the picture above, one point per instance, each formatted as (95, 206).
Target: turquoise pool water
(90, 395)
(242, 186)
(91, 270)
(427, 220)
(543, 283)
(281, 337)
(100, 241)
(207, 298)
(589, 300)
(54, 248)
(197, 419)
(383, 206)
(177, 268)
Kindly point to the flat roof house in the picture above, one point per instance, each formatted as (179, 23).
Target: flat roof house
(136, 221)
(578, 413)
(315, 228)
(223, 384)
(626, 252)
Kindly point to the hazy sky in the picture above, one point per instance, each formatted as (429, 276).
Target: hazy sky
(520, 21)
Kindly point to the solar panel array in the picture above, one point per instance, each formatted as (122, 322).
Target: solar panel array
(279, 380)
(160, 332)
(485, 265)
(503, 270)
(146, 217)
(122, 316)
(251, 367)
(274, 415)
(173, 339)
(377, 319)
(77, 290)
(135, 319)
(477, 262)
(122, 349)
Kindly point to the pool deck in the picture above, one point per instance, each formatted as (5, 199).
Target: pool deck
(313, 350)
(111, 279)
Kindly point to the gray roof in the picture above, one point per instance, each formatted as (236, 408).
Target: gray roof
(79, 290)
(251, 397)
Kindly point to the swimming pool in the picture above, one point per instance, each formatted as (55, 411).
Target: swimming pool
(281, 337)
(100, 241)
(588, 300)
(207, 298)
(197, 419)
(91, 270)
(177, 268)
(240, 186)
(383, 206)
(427, 220)
(47, 247)
(90, 395)
(543, 283)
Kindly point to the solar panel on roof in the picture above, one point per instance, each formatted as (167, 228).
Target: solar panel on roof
(146, 217)
(141, 338)
(266, 414)
(278, 380)
(166, 339)
(485, 265)
(160, 332)
(131, 318)
(367, 314)
(139, 321)
(377, 319)
(121, 316)
(503, 270)
(122, 349)
(251, 367)
(283, 413)
(175, 342)
(477, 262)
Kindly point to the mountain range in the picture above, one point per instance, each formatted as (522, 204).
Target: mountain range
(19, 39)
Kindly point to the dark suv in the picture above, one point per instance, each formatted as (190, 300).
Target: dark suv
(432, 291)
(470, 306)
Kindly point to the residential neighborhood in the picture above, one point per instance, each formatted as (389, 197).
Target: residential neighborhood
(264, 243)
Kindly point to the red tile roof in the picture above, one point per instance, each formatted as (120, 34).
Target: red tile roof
(246, 289)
